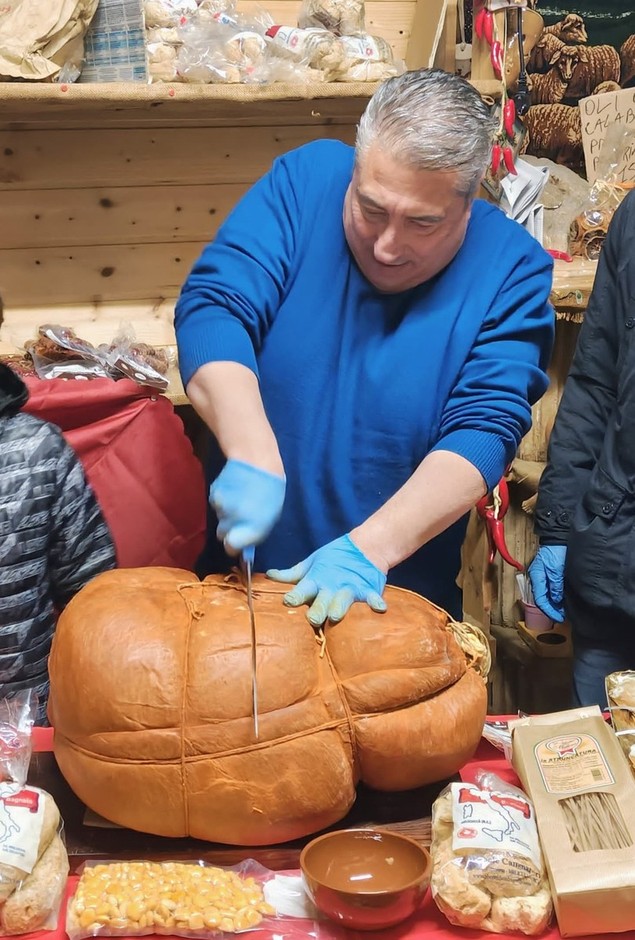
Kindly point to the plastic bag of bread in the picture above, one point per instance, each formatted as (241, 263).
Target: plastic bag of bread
(17, 717)
(367, 59)
(33, 860)
(221, 51)
(182, 899)
(315, 48)
(488, 872)
(392, 699)
(620, 695)
(165, 13)
(341, 17)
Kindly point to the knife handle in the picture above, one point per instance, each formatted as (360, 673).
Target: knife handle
(249, 554)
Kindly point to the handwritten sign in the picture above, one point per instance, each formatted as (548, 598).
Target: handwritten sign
(603, 116)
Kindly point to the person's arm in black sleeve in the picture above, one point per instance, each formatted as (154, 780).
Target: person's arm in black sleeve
(589, 394)
(81, 546)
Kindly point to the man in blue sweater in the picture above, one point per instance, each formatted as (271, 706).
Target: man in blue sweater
(365, 340)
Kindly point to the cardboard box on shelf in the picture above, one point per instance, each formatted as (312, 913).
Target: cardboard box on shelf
(115, 47)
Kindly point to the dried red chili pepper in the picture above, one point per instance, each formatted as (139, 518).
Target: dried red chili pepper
(559, 255)
(479, 22)
(496, 158)
(488, 26)
(509, 117)
(496, 58)
(508, 160)
(493, 516)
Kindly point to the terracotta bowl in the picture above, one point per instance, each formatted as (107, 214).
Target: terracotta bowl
(366, 879)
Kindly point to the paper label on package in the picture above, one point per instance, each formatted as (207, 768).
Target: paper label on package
(293, 38)
(493, 822)
(572, 763)
(21, 819)
(363, 47)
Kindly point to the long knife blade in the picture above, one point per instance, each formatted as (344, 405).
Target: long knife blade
(248, 560)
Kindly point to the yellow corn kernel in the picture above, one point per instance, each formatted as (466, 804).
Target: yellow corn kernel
(87, 917)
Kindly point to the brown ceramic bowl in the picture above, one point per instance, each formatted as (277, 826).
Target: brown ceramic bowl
(366, 879)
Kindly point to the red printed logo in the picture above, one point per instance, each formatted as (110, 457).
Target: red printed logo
(28, 799)
(466, 832)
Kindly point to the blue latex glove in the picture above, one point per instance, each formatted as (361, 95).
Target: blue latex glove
(331, 579)
(546, 573)
(248, 502)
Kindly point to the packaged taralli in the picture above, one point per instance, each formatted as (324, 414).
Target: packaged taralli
(488, 871)
(33, 859)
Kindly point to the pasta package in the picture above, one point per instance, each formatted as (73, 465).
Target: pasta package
(573, 769)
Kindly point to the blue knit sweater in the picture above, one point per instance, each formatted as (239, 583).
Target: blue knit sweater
(359, 386)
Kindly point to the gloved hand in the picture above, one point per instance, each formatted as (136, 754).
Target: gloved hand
(546, 574)
(248, 502)
(332, 578)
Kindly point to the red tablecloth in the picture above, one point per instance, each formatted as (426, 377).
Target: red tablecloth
(427, 923)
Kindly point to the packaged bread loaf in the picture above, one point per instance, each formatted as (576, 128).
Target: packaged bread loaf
(33, 862)
(487, 866)
(620, 694)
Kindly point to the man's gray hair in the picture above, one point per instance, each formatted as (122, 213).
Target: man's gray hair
(431, 120)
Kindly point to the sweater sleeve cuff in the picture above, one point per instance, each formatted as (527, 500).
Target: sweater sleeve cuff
(487, 452)
(224, 341)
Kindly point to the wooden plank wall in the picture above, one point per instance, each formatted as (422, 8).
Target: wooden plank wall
(96, 219)
(102, 212)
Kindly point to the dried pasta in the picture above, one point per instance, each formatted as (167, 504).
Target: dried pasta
(594, 821)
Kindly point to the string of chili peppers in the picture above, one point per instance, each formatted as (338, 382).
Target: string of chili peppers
(485, 27)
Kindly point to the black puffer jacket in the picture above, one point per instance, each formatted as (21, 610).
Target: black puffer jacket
(587, 493)
(53, 538)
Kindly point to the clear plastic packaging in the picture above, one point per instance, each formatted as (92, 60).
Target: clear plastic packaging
(17, 717)
(620, 695)
(588, 229)
(59, 353)
(341, 17)
(165, 13)
(187, 899)
(488, 871)
(221, 51)
(144, 364)
(33, 859)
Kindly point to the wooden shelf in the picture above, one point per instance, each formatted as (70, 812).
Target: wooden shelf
(125, 104)
(119, 104)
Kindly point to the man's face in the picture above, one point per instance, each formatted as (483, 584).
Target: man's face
(402, 225)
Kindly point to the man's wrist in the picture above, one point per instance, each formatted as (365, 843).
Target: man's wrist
(267, 459)
(375, 553)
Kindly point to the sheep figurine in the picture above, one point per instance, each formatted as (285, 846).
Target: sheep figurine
(595, 65)
(552, 87)
(554, 131)
(542, 54)
(627, 61)
(571, 30)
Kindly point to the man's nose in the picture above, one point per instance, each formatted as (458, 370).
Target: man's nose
(388, 246)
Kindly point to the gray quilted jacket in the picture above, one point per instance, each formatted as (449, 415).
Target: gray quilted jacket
(53, 538)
